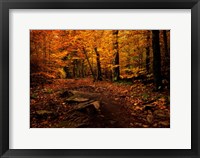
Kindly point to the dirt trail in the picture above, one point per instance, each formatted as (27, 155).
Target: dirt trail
(50, 108)
(111, 112)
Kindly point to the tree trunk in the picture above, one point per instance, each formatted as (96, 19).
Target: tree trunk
(116, 57)
(167, 58)
(74, 68)
(165, 43)
(148, 52)
(49, 51)
(45, 49)
(156, 59)
(85, 52)
(99, 75)
(82, 68)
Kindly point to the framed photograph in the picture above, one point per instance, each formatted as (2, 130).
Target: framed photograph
(99, 78)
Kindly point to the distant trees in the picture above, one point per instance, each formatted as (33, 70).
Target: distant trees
(102, 54)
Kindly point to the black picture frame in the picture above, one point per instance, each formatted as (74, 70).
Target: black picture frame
(5, 5)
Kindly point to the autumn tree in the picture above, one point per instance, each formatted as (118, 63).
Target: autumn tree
(148, 52)
(166, 57)
(116, 56)
(99, 75)
(101, 54)
(156, 59)
(165, 42)
(90, 66)
(97, 43)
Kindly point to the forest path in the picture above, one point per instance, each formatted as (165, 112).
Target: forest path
(118, 105)
(111, 113)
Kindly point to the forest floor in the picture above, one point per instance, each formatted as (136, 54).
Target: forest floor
(82, 103)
